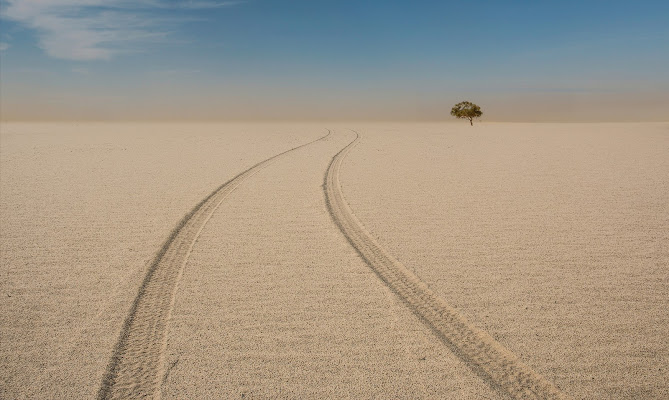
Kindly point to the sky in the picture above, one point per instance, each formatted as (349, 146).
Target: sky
(520, 60)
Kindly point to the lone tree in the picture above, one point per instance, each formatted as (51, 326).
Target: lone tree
(468, 110)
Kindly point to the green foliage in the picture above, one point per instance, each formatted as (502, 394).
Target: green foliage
(467, 110)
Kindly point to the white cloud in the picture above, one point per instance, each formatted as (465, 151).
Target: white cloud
(198, 5)
(97, 29)
(4, 46)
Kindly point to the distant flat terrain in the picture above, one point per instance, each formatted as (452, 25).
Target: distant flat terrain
(334, 261)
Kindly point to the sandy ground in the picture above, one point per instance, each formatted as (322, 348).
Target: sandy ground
(83, 210)
(553, 238)
(274, 302)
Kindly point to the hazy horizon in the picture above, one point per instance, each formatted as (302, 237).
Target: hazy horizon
(149, 60)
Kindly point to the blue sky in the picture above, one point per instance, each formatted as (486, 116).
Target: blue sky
(270, 59)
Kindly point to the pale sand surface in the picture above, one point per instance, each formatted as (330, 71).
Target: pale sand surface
(274, 302)
(83, 209)
(554, 238)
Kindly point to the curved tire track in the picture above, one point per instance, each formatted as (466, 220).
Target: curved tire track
(488, 358)
(137, 363)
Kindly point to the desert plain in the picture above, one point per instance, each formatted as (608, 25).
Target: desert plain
(359, 260)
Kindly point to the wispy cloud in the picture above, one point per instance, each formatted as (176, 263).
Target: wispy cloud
(98, 29)
(4, 46)
(199, 5)
(81, 71)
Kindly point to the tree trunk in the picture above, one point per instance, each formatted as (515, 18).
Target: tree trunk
(471, 121)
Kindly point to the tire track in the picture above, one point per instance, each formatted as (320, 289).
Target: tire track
(136, 367)
(488, 358)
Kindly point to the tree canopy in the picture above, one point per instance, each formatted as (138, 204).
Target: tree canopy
(467, 110)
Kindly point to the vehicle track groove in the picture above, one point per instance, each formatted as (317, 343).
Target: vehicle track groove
(135, 369)
(488, 358)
